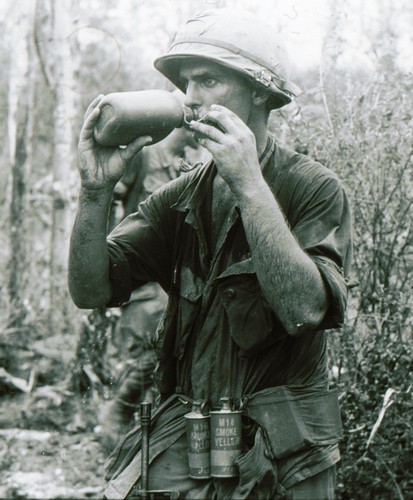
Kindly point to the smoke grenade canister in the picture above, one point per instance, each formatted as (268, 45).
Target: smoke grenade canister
(226, 439)
(198, 441)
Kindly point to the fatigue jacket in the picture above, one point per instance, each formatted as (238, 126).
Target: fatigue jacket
(219, 336)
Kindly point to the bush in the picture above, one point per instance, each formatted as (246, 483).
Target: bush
(366, 138)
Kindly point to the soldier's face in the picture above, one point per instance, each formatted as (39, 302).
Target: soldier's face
(209, 83)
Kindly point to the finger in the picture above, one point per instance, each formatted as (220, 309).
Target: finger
(213, 147)
(229, 121)
(206, 131)
(222, 109)
(89, 125)
(134, 147)
(93, 105)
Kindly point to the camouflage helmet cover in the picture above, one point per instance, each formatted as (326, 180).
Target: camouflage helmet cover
(240, 41)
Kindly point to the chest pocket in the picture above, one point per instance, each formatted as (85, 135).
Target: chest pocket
(191, 288)
(252, 323)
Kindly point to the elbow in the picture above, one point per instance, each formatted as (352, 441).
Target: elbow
(298, 328)
(306, 322)
(308, 315)
(85, 298)
(85, 303)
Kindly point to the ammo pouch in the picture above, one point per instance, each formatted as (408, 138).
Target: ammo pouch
(295, 418)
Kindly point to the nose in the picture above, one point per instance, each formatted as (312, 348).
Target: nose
(192, 96)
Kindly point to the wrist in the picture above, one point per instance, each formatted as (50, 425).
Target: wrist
(96, 193)
(252, 191)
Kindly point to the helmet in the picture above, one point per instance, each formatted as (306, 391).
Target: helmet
(238, 40)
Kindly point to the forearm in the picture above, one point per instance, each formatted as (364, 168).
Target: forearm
(89, 283)
(288, 277)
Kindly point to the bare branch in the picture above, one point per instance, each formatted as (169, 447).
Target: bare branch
(385, 406)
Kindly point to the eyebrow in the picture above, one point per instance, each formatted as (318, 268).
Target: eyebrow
(197, 74)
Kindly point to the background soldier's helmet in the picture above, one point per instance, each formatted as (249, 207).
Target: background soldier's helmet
(240, 41)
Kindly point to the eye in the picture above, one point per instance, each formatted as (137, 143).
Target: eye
(209, 82)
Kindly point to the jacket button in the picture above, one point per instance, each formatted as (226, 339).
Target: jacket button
(229, 292)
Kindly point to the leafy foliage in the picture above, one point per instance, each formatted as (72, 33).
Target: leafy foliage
(369, 145)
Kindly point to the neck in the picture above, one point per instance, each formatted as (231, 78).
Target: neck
(261, 138)
(258, 124)
(262, 145)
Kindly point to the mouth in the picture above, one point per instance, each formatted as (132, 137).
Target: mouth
(193, 115)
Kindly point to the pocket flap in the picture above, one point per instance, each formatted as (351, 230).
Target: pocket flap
(294, 420)
(243, 267)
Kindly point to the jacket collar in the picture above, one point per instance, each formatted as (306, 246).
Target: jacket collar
(199, 187)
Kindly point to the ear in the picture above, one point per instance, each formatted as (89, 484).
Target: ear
(259, 97)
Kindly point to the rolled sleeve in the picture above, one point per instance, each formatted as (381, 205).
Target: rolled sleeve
(324, 230)
(120, 276)
(337, 288)
(140, 251)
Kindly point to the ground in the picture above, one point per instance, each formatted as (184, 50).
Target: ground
(41, 464)
(55, 435)
(64, 460)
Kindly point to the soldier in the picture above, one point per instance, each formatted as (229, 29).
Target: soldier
(253, 250)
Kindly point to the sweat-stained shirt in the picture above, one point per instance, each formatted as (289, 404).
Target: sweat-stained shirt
(218, 336)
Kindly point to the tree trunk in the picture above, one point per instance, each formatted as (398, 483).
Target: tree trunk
(20, 113)
(63, 164)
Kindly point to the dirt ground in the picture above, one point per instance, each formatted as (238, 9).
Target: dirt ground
(63, 460)
(41, 464)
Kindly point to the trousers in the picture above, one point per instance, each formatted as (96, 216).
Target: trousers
(169, 471)
(287, 459)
